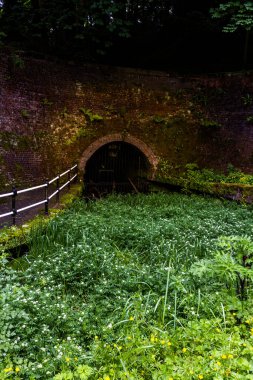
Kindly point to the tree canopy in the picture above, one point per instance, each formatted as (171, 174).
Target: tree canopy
(166, 34)
(239, 15)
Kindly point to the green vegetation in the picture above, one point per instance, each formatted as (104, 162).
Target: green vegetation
(78, 133)
(46, 102)
(11, 140)
(131, 33)
(240, 16)
(207, 180)
(17, 61)
(247, 100)
(206, 123)
(132, 287)
(90, 115)
(24, 113)
(249, 119)
(159, 119)
(208, 175)
(167, 121)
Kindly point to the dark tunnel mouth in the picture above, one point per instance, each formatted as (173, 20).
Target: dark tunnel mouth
(118, 167)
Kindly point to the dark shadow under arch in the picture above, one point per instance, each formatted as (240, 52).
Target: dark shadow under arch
(117, 166)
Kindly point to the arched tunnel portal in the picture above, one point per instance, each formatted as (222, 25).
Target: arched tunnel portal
(114, 164)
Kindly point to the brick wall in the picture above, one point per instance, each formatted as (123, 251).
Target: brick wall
(49, 115)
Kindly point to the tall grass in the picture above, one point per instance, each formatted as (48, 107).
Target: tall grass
(111, 292)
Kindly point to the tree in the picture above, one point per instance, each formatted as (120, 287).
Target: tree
(239, 15)
(2, 34)
(146, 33)
(65, 26)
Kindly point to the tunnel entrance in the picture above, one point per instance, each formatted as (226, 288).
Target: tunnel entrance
(116, 167)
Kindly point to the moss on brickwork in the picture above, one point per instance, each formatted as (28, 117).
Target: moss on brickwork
(54, 112)
(69, 134)
(12, 140)
(233, 185)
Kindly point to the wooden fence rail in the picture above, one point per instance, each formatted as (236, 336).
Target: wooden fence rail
(72, 175)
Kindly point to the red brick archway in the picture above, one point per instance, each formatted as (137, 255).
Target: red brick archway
(144, 148)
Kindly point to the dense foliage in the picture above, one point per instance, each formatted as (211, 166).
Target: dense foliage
(154, 33)
(235, 184)
(240, 16)
(132, 287)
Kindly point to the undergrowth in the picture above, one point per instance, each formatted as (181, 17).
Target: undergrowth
(233, 185)
(132, 287)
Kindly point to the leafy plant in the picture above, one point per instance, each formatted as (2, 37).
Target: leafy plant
(46, 102)
(79, 132)
(17, 61)
(235, 183)
(249, 119)
(240, 16)
(209, 123)
(166, 121)
(247, 100)
(64, 112)
(91, 116)
(25, 113)
(158, 119)
(82, 372)
(231, 263)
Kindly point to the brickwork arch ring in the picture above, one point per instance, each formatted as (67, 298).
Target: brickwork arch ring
(143, 147)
